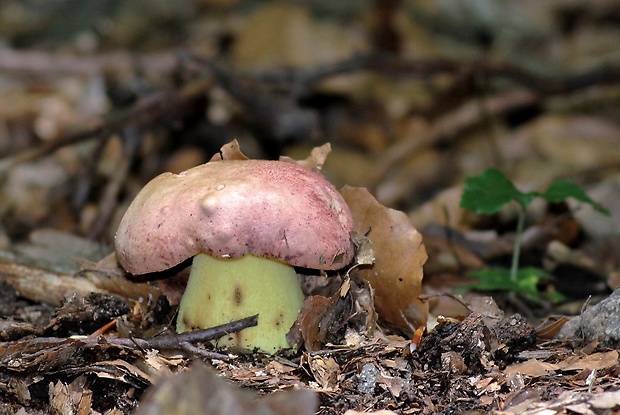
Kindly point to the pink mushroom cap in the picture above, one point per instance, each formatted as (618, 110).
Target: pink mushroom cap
(228, 209)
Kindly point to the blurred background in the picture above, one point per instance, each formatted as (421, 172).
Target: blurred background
(97, 97)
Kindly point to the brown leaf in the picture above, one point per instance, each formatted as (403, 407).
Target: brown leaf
(579, 141)
(551, 327)
(74, 398)
(308, 324)
(396, 276)
(230, 151)
(596, 361)
(532, 367)
(321, 316)
(315, 160)
(340, 319)
(325, 371)
(284, 34)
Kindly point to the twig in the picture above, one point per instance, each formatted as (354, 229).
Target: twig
(390, 64)
(163, 104)
(207, 354)
(157, 107)
(41, 62)
(448, 126)
(109, 199)
(276, 117)
(49, 147)
(198, 336)
(167, 342)
(42, 285)
(38, 62)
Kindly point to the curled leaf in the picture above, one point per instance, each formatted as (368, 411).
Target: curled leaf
(396, 275)
(315, 160)
(323, 320)
(229, 151)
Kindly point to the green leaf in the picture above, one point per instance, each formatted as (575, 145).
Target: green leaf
(498, 279)
(492, 279)
(527, 281)
(561, 190)
(555, 297)
(489, 191)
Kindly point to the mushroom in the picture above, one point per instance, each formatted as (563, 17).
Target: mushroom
(246, 223)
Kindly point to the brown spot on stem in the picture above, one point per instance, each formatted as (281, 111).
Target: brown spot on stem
(238, 296)
(279, 320)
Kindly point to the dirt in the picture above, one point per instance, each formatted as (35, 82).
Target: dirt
(461, 366)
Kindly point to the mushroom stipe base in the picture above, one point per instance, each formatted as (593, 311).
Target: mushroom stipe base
(221, 290)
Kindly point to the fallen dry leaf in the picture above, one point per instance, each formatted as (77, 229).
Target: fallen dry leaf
(321, 316)
(580, 141)
(595, 361)
(551, 327)
(230, 151)
(339, 319)
(313, 311)
(396, 276)
(532, 367)
(537, 368)
(108, 277)
(57, 250)
(606, 400)
(567, 402)
(280, 35)
(315, 160)
(74, 398)
(325, 371)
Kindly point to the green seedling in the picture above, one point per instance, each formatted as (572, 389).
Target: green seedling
(486, 194)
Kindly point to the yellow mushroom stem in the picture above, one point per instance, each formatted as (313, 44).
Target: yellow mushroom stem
(221, 290)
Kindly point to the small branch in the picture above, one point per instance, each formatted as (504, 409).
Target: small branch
(275, 117)
(205, 354)
(389, 64)
(109, 198)
(47, 63)
(49, 147)
(167, 342)
(165, 104)
(448, 127)
(153, 108)
(38, 62)
(198, 336)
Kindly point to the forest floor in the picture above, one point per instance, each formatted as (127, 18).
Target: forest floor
(416, 99)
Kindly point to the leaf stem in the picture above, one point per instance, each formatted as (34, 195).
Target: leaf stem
(517, 245)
